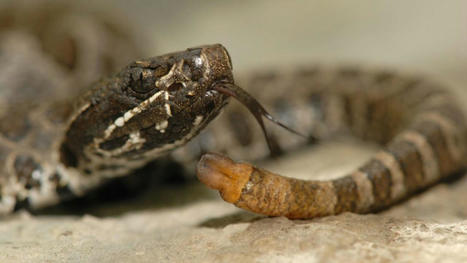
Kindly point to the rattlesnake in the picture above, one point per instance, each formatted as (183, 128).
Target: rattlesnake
(61, 136)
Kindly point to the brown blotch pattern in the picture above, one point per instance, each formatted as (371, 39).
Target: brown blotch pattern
(411, 163)
(380, 178)
(311, 198)
(347, 194)
(435, 137)
(265, 192)
(274, 195)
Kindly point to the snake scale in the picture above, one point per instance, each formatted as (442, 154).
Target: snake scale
(62, 133)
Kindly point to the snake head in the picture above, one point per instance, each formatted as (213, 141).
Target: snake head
(150, 107)
(153, 106)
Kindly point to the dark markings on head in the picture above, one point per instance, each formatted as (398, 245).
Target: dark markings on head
(114, 143)
(67, 157)
(175, 87)
(109, 167)
(167, 91)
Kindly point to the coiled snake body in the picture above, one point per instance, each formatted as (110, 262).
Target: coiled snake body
(50, 151)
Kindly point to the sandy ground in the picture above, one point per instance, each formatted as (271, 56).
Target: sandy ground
(190, 223)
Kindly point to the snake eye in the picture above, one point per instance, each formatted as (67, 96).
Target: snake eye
(142, 81)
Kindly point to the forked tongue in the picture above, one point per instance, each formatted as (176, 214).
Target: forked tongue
(258, 112)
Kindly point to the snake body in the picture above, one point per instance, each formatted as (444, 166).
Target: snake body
(61, 136)
(422, 131)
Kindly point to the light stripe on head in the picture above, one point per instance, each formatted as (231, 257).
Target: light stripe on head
(120, 121)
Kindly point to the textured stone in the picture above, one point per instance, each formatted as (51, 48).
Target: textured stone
(199, 227)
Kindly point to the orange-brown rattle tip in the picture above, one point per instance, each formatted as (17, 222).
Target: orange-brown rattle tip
(221, 173)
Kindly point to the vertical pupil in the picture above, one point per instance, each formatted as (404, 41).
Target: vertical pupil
(141, 82)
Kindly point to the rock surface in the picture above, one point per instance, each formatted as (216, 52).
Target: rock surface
(191, 224)
(431, 227)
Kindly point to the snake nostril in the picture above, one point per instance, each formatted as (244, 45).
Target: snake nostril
(176, 86)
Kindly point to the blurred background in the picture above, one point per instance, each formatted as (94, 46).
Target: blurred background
(423, 36)
(421, 33)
